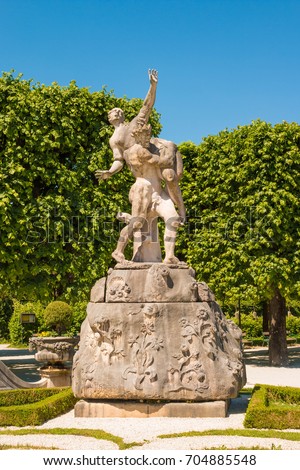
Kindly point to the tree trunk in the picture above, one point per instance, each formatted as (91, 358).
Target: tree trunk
(266, 316)
(278, 353)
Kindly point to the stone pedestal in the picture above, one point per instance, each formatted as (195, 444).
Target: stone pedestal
(56, 377)
(57, 354)
(153, 333)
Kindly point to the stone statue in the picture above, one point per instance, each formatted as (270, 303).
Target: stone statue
(157, 166)
(152, 332)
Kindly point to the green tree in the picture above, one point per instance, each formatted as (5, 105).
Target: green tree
(79, 314)
(6, 311)
(242, 191)
(58, 225)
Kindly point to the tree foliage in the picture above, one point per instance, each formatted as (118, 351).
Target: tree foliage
(20, 333)
(6, 311)
(79, 314)
(57, 225)
(242, 190)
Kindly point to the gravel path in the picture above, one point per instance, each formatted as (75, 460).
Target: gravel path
(180, 443)
(58, 442)
(208, 442)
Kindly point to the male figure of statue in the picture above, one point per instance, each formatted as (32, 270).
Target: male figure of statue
(148, 198)
(150, 161)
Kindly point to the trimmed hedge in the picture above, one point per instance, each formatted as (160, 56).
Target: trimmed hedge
(33, 407)
(273, 407)
(26, 396)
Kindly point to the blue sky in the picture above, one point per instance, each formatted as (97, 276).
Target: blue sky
(221, 63)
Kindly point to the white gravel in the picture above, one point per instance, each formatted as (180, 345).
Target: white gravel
(208, 442)
(288, 376)
(58, 442)
(180, 443)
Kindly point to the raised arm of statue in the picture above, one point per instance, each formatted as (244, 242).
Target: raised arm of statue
(149, 101)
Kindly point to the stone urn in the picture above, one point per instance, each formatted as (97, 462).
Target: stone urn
(56, 353)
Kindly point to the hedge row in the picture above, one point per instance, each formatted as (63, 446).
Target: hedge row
(44, 404)
(26, 396)
(273, 408)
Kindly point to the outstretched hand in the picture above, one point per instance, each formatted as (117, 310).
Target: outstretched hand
(153, 75)
(102, 174)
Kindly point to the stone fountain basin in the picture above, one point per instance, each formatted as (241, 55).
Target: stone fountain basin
(53, 349)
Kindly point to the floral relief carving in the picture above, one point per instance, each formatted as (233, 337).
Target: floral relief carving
(188, 374)
(143, 348)
(206, 332)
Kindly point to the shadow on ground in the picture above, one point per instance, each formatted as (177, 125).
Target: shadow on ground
(14, 353)
(260, 357)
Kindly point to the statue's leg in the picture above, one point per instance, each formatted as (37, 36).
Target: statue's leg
(140, 201)
(118, 254)
(166, 210)
(140, 198)
(172, 186)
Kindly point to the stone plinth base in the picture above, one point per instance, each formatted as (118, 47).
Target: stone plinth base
(56, 377)
(154, 334)
(135, 409)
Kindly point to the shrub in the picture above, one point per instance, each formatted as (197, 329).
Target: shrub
(54, 402)
(58, 315)
(250, 326)
(293, 325)
(18, 332)
(273, 408)
(26, 396)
